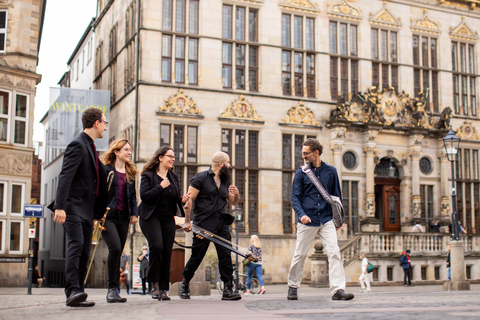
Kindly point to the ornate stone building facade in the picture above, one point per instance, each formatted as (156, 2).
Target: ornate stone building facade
(20, 33)
(377, 82)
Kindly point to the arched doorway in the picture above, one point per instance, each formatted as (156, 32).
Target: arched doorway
(387, 195)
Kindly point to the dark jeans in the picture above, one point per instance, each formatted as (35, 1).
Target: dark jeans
(144, 285)
(79, 239)
(407, 274)
(199, 249)
(160, 233)
(115, 235)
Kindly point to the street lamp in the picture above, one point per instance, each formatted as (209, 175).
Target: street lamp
(237, 213)
(452, 142)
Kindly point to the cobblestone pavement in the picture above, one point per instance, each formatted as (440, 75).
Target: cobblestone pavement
(420, 302)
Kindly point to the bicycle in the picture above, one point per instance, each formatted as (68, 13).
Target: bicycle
(254, 288)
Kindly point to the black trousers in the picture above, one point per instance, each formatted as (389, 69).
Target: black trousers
(160, 233)
(407, 274)
(199, 249)
(115, 235)
(79, 239)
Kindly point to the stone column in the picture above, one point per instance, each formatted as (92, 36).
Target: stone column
(445, 186)
(318, 267)
(457, 266)
(337, 149)
(370, 180)
(416, 205)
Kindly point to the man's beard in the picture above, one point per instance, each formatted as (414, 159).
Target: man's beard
(225, 176)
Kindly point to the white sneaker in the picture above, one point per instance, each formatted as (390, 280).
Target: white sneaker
(362, 290)
(368, 290)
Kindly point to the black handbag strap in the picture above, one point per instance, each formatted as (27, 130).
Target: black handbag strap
(306, 169)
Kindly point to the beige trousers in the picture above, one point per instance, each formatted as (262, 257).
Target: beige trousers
(328, 236)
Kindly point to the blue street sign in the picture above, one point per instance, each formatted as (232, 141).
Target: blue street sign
(33, 211)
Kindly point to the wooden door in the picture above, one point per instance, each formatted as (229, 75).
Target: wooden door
(391, 208)
(177, 264)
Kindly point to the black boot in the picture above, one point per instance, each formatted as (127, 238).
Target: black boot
(120, 299)
(228, 293)
(292, 293)
(185, 289)
(112, 296)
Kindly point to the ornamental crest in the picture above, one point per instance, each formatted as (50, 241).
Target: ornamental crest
(301, 5)
(468, 132)
(388, 108)
(300, 115)
(6, 80)
(384, 18)
(180, 103)
(241, 109)
(425, 24)
(345, 10)
(23, 84)
(463, 32)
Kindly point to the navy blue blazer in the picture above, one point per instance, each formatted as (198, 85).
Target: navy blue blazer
(151, 191)
(113, 194)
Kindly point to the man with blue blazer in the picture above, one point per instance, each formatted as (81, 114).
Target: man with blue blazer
(81, 198)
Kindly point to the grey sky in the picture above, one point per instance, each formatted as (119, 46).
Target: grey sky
(65, 22)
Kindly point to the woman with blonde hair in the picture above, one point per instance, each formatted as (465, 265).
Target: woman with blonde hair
(161, 195)
(255, 249)
(122, 201)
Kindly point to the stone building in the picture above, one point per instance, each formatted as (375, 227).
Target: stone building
(21, 25)
(377, 82)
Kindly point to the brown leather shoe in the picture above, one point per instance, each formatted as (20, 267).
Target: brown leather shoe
(163, 296)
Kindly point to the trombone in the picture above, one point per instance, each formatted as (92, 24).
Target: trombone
(99, 227)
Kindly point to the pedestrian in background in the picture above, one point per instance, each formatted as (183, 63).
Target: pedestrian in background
(364, 280)
(144, 266)
(448, 264)
(81, 198)
(407, 268)
(435, 228)
(122, 201)
(160, 194)
(37, 279)
(124, 267)
(255, 249)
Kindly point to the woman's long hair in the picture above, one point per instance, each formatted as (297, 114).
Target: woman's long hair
(109, 158)
(154, 162)
(256, 241)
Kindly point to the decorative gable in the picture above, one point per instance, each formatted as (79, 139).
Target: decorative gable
(300, 115)
(344, 10)
(384, 18)
(463, 32)
(180, 103)
(299, 5)
(468, 132)
(425, 25)
(241, 109)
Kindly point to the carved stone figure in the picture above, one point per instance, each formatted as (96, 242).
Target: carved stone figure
(444, 121)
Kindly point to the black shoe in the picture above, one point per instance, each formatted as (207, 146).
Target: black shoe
(76, 298)
(155, 294)
(84, 304)
(342, 295)
(228, 293)
(163, 296)
(113, 296)
(292, 293)
(185, 289)
(120, 299)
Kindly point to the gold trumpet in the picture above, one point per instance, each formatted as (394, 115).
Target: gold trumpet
(99, 227)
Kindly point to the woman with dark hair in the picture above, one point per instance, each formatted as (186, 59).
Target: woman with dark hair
(160, 193)
(122, 202)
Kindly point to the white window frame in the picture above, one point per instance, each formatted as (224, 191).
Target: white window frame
(4, 236)
(4, 30)
(22, 184)
(3, 211)
(17, 118)
(8, 116)
(22, 224)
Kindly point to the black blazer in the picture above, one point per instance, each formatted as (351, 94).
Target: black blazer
(77, 182)
(113, 194)
(151, 191)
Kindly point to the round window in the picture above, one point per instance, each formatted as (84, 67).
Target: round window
(349, 160)
(425, 165)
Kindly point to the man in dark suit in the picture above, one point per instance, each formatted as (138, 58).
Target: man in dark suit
(81, 198)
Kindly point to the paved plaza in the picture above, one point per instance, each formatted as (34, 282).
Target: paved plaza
(419, 302)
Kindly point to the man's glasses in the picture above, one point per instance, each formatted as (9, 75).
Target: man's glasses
(106, 122)
(306, 153)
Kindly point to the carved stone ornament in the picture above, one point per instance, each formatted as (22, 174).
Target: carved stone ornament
(15, 163)
(468, 132)
(385, 18)
(445, 208)
(300, 5)
(463, 32)
(300, 115)
(241, 109)
(6, 80)
(344, 10)
(23, 84)
(417, 207)
(387, 108)
(180, 103)
(337, 133)
(426, 25)
(370, 205)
